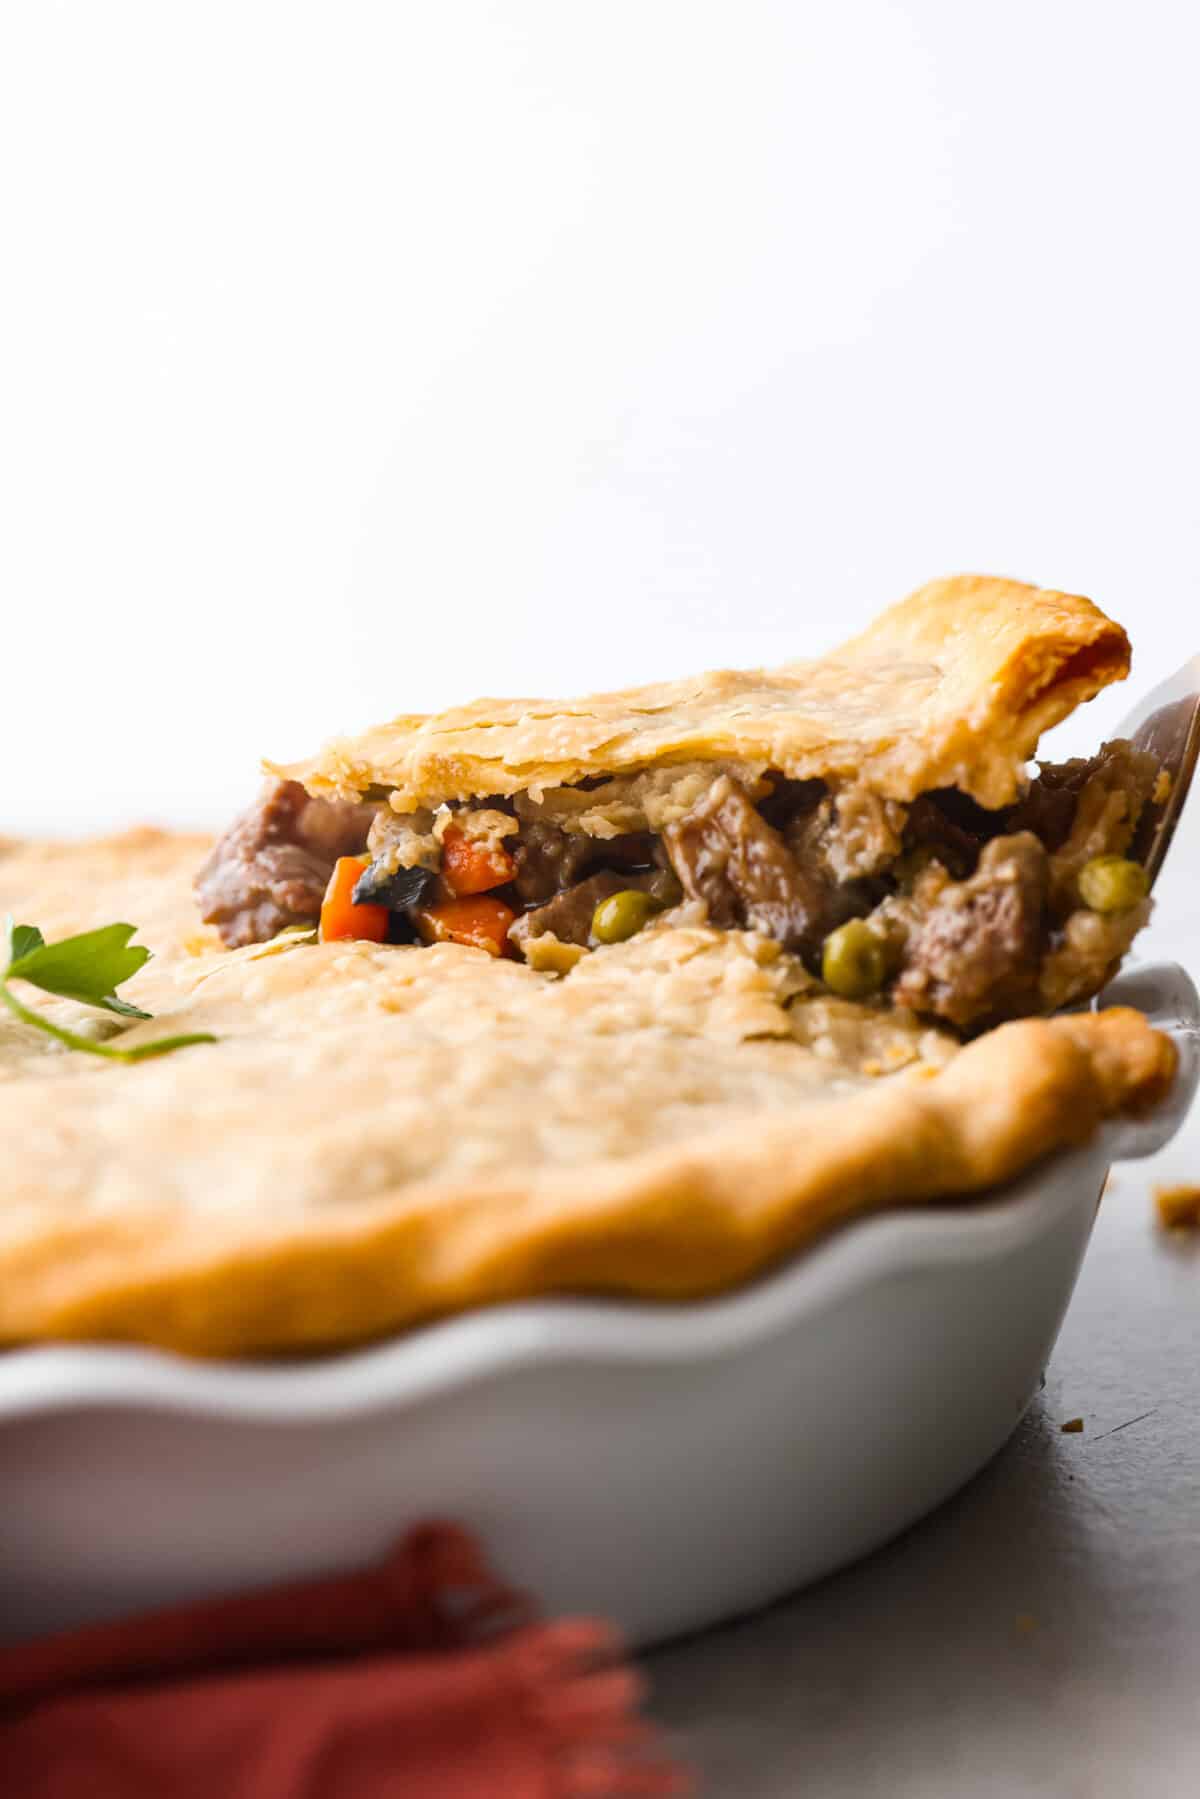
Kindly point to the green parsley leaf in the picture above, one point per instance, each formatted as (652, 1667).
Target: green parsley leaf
(22, 939)
(88, 968)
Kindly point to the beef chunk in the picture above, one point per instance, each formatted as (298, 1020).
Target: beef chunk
(974, 946)
(569, 914)
(271, 867)
(548, 859)
(726, 854)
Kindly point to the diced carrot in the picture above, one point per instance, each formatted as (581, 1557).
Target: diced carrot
(480, 921)
(472, 865)
(340, 917)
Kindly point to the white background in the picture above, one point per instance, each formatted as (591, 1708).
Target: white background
(359, 358)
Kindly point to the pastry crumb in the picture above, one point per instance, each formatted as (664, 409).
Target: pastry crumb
(1072, 1427)
(1178, 1207)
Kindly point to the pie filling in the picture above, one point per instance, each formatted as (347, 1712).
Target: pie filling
(955, 912)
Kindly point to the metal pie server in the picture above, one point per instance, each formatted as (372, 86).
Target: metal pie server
(1167, 723)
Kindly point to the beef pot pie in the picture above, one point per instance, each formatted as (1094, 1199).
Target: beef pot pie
(629, 994)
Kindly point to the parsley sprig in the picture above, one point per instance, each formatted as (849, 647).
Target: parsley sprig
(88, 968)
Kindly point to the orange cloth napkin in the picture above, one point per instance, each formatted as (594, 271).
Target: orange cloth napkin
(425, 1678)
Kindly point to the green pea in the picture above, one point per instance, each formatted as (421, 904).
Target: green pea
(1112, 884)
(854, 960)
(623, 914)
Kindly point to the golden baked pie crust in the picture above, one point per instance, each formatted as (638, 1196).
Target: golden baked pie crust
(951, 687)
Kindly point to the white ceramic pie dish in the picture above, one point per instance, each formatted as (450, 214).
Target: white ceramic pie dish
(666, 1467)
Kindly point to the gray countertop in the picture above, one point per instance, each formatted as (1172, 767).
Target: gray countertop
(1037, 1636)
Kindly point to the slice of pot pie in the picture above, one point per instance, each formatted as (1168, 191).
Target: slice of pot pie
(632, 994)
(870, 813)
